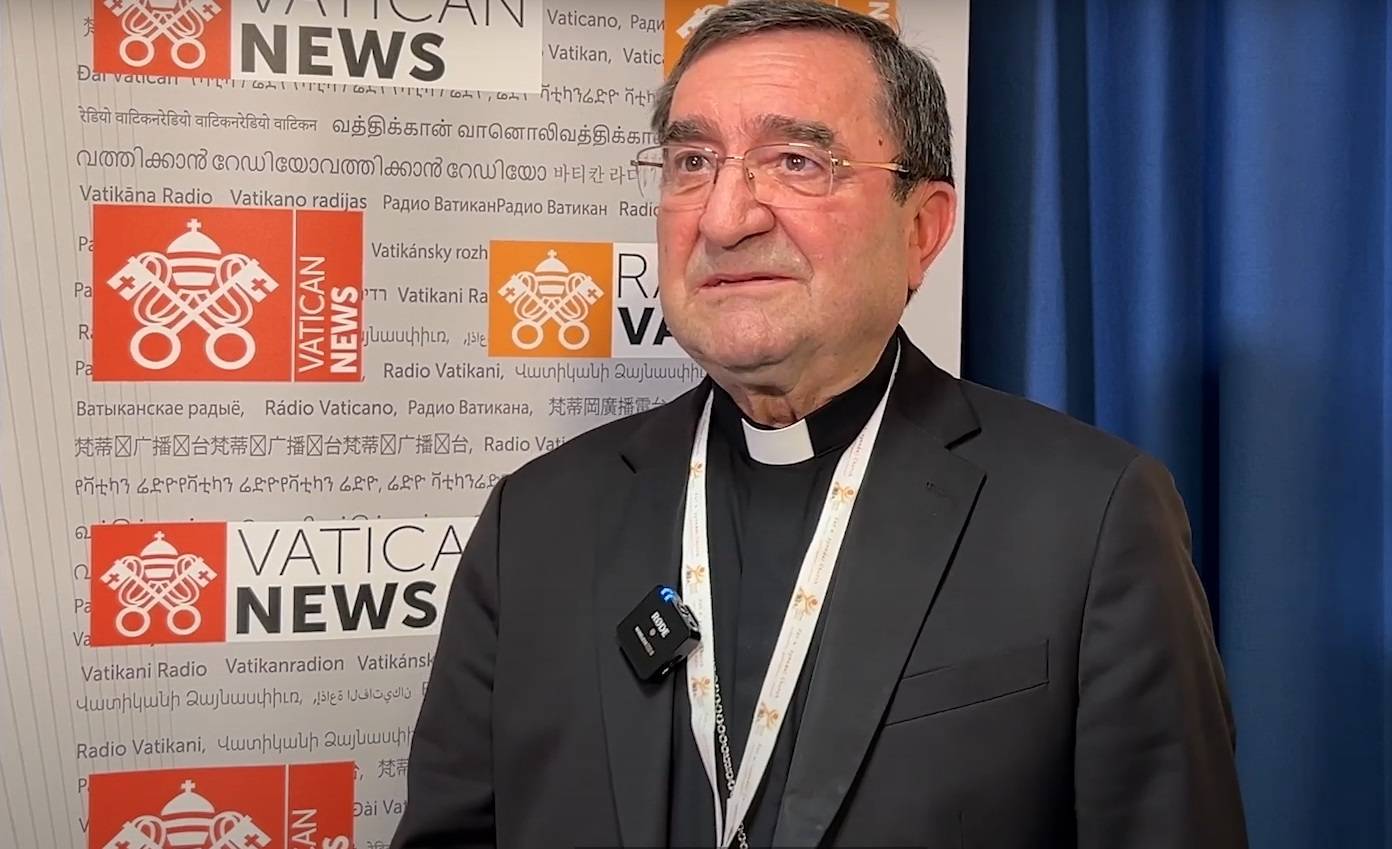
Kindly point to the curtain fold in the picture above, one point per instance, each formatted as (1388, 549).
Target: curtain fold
(1180, 229)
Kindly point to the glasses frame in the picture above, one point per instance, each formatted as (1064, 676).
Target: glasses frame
(722, 159)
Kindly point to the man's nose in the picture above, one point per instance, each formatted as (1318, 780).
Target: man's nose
(732, 214)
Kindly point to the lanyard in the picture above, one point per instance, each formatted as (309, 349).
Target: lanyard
(794, 638)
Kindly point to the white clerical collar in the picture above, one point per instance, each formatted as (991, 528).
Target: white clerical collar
(782, 446)
(826, 429)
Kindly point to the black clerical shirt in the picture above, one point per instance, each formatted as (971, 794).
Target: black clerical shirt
(761, 521)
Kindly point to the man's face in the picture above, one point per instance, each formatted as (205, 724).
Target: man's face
(830, 276)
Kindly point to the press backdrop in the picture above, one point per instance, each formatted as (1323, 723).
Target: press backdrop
(286, 290)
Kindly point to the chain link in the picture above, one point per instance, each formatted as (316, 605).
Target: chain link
(725, 754)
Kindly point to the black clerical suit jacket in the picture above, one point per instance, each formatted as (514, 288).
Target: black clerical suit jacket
(1017, 651)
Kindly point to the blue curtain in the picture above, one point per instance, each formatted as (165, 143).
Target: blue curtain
(1179, 228)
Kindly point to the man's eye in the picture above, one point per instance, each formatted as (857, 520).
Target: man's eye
(691, 163)
(800, 163)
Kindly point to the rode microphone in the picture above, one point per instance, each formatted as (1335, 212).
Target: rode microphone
(658, 634)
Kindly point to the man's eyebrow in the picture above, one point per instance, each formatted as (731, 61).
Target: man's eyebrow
(689, 130)
(768, 125)
(794, 129)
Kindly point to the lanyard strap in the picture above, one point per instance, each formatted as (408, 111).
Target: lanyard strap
(799, 621)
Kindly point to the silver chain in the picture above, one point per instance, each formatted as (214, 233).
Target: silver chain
(725, 754)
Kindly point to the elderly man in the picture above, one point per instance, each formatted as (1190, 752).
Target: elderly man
(929, 614)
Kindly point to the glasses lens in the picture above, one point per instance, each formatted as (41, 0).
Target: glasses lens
(787, 172)
(649, 164)
(687, 174)
(679, 176)
(675, 175)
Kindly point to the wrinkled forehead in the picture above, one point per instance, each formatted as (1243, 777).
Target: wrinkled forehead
(787, 85)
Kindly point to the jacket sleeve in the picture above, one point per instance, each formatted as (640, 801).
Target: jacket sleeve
(449, 779)
(1154, 755)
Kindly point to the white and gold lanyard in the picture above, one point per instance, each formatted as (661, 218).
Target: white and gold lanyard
(794, 638)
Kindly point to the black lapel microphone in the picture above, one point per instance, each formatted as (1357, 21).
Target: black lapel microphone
(658, 634)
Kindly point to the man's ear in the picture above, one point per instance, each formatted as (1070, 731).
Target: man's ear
(935, 213)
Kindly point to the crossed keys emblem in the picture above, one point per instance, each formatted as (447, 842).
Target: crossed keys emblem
(192, 283)
(159, 577)
(190, 820)
(551, 293)
(180, 21)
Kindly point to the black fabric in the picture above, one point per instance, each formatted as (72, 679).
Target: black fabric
(761, 520)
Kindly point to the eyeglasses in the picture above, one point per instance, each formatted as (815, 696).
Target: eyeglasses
(680, 176)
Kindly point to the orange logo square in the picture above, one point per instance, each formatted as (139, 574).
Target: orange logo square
(682, 17)
(159, 583)
(226, 293)
(179, 38)
(248, 807)
(550, 299)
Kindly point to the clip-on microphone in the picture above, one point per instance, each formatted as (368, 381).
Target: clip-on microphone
(658, 634)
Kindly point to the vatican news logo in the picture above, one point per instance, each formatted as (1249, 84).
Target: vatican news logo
(235, 582)
(575, 299)
(158, 584)
(239, 807)
(187, 38)
(218, 293)
(682, 17)
(491, 46)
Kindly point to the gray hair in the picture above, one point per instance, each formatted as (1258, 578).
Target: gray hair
(912, 99)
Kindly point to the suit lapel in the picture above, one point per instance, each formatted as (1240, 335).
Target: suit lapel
(915, 501)
(639, 550)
